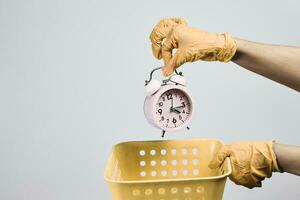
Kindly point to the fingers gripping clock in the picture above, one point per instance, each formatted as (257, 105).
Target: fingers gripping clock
(168, 104)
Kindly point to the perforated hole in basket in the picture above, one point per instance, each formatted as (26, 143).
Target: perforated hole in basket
(174, 162)
(161, 191)
(142, 152)
(148, 192)
(184, 162)
(173, 151)
(163, 162)
(195, 161)
(185, 172)
(196, 172)
(143, 173)
(174, 190)
(153, 173)
(153, 163)
(164, 173)
(195, 150)
(152, 152)
(142, 163)
(200, 189)
(163, 152)
(184, 151)
(174, 172)
(136, 192)
(187, 189)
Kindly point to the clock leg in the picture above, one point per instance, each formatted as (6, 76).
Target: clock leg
(163, 133)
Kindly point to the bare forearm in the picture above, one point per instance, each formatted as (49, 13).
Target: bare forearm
(288, 157)
(278, 63)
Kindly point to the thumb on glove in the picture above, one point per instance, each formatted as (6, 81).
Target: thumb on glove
(218, 160)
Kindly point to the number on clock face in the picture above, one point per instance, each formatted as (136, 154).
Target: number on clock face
(173, 108)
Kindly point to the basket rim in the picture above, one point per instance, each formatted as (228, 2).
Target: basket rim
(227, 162)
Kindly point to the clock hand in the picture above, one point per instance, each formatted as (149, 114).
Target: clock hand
(175, 110)
(171, 109)
(179, 107)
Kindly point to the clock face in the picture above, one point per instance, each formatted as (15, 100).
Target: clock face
(173, 109)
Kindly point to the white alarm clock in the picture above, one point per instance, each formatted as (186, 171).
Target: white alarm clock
(168, 105)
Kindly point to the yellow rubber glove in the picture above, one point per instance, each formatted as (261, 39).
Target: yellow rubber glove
(192, 44)
(251, 161)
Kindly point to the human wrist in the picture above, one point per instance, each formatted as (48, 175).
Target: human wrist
(275, 149)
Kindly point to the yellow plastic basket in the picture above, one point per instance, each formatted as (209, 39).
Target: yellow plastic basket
(166, 170)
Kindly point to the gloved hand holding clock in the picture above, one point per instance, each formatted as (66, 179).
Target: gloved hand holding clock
(252, 161)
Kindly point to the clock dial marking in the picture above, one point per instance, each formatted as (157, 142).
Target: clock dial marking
(173, 106)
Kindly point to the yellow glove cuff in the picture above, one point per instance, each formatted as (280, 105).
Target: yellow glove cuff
(228, 50)
(275, 165)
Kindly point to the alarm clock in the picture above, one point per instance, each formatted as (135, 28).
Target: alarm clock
(168, 105)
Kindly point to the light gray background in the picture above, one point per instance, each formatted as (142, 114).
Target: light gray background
(71, 86)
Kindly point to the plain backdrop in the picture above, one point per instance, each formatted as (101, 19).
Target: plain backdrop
(71, 86)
